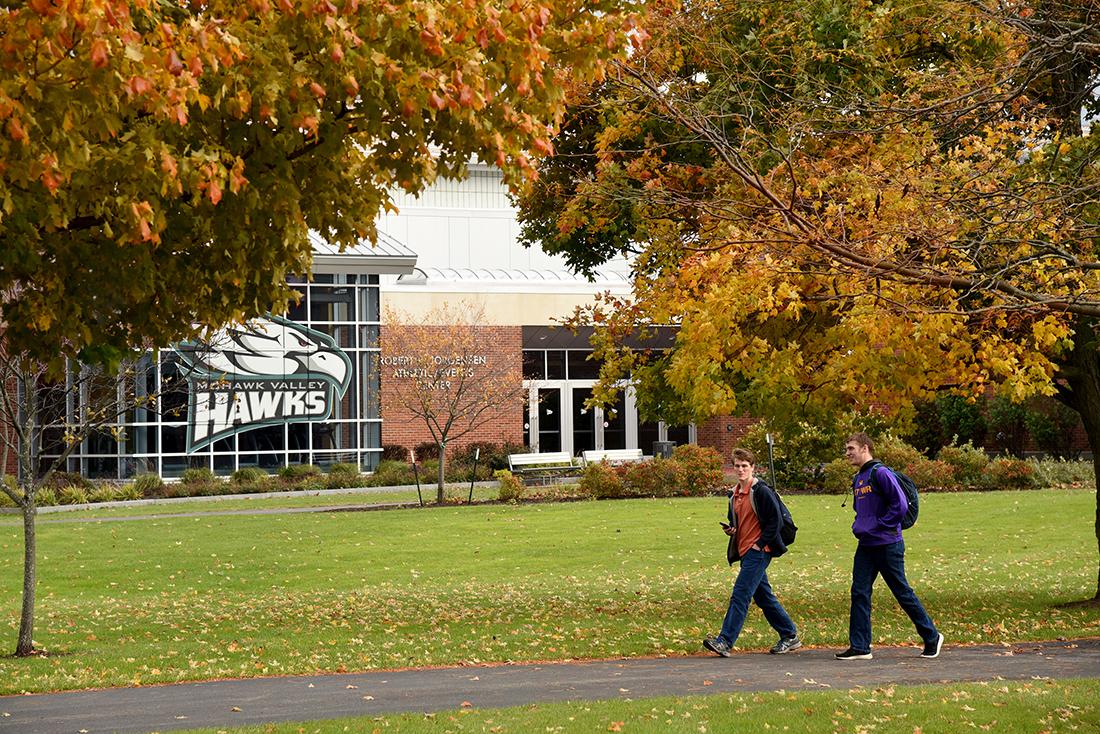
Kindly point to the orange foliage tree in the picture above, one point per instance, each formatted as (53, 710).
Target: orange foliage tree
(842, 204)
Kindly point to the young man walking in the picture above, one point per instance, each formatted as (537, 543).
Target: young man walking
(880, 505)
(755, 540)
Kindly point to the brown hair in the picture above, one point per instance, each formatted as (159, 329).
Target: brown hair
(744, 455)
(863, 440)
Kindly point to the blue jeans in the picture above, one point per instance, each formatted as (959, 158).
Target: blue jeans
(752, 585)
(888, 560)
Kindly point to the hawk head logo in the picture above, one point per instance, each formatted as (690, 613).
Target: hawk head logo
(267, 371)
(268, 349)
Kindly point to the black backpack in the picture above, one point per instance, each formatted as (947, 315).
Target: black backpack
(788, 529)
(909, 487)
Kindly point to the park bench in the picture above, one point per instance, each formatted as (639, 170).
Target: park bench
(541, 466)
(612, 456)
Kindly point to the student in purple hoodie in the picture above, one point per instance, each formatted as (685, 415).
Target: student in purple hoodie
(880, 505)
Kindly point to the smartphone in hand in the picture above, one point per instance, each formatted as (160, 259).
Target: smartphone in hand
(725, 525)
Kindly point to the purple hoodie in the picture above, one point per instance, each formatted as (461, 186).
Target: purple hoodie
(879, 510)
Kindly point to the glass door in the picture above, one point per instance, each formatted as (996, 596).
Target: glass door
(584, 421)
(549, 420)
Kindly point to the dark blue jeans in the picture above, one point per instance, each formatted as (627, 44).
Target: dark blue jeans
(752, 585)
(888, 560)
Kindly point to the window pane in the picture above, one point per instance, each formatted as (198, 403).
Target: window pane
(534, 364)
(368, 304)
(331, 303)
(581, 368)
(555, 365)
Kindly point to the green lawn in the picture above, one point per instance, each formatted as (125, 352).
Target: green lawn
(1002, 706)
(207, 597)
(457, 493)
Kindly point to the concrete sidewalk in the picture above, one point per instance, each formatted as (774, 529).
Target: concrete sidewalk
(259, 700)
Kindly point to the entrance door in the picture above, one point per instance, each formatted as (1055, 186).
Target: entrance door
(614, 424)
(584, 421)
(549, 419)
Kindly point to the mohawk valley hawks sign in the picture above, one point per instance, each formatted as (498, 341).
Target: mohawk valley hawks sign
(265, 372)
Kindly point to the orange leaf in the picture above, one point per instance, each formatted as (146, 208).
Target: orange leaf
(99, 53)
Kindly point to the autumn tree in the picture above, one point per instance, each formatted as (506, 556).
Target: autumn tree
(162, 163)
(843, 203)
(436, 369)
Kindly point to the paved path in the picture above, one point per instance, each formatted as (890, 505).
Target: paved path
(259, 700)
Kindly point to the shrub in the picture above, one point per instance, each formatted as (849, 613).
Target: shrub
(343, 470)
(653, 478)
(390, 474)
(510, 488)
(493, 455)
(343, 480)
(1009, 473)
(177, 489)
(61, 479)
(198, 475)
(103, 493)
(932, 473)
(1007, 423)
(129, 491)
(1060, 473)
(206, 489)
(394, 452)
(298, 471)
(46, 497)
(600, 480)
(698, 469)
(148, 485)
(836, 476)
(426, 450)
(429, 470)
(1052, 427)
(895, 453)
(960, 419)
(248, 475)
(799, 451)
(969, 462)
(312, 482)
(72, 496)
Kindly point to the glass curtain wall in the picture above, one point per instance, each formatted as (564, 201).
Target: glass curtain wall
(154, 437)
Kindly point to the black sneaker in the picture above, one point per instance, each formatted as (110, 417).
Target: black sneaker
(785, 645)
(717, 646)
(851, 654)
(932, 649)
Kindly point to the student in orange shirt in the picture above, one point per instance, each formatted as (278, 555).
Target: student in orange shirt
(754, 523)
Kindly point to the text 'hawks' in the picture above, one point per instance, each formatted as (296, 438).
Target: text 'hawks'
(216, 412)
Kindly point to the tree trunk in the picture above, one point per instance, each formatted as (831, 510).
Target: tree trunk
(25, 646)
(1082, 370)
(442, 472)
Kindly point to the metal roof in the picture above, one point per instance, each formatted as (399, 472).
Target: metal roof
(387, 255)
(502, 276)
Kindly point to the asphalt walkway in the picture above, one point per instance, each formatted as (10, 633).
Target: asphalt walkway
(302, 698)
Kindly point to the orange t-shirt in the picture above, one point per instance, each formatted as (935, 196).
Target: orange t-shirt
(748, 526)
